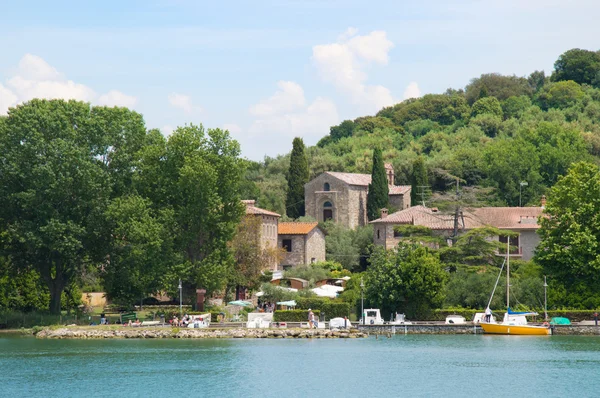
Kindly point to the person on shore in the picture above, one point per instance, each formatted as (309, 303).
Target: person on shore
(311, 319)
(102, 319)
(488, 315)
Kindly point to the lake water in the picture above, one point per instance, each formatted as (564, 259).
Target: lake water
(404, 365)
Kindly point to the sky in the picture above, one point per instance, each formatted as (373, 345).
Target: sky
(269, 71)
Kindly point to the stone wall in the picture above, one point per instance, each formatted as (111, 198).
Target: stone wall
(421, 329)
(268, 235)
(297, 255)
(315, 196)
(315, 246)
(399, 202)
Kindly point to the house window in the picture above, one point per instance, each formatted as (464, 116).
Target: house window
(327, 211)
(378, 234)
(287, 244)
(514, 244)
(397, 234)
(326, 187)
(313, 260)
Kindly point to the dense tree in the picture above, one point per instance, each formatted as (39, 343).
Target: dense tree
(487, 106)
(562, 94)
(62, 161)
(345, 129)
(498, 86)
(439, 108)
(578, 65)
(196, 174)
(298, 175)
(569, 250)
(377, 197)
(420, 189)
(142, 250)
(537, 80)
(515, 106)
(409, 279)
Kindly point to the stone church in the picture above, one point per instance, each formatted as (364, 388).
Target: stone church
(342, 197)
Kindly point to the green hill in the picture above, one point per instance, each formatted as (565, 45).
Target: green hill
(493, 134)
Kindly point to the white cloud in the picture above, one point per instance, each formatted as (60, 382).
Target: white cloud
(412, 91)
(183, 102)
(291, 116)
(7, 99)
(232, 128)
(343, 64)
(289, 97)
(35, 78)
(166, 130)
(117, 98)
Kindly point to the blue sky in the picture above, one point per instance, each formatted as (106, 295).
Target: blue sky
(272, 70)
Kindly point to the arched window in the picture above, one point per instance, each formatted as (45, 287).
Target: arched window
(327, 211)
(326, 187)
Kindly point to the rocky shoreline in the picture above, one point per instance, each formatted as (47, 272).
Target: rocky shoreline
(170, 333)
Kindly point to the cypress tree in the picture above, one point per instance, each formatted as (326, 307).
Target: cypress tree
(297, 176)
(419, 182)
(377, 198)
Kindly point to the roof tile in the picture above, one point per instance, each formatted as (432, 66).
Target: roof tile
(296, 228)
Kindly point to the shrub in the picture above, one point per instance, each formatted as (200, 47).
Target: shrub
(293, 315)
(328, 307)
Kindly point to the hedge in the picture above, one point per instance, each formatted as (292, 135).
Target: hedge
(573, 315)
(329, 308)
(293, 315)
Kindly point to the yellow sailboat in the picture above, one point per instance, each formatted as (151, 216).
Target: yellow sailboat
(514, 323)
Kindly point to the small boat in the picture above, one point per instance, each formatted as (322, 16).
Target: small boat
(399, 320)
(455, 320)
(514, 323)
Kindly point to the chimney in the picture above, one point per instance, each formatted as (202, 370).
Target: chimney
(384, 212)
(389, 172)
(543, 201)
(249, 203)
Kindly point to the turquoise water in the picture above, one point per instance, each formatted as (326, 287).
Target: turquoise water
(404, 365)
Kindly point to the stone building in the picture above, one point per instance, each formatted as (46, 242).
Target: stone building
(270, 220)
(342, 197)
(523, 220)
(304, 243)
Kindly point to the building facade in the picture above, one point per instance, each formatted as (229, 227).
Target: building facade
(269, 223)
(304, 243)
(342, 197)
(523, 220)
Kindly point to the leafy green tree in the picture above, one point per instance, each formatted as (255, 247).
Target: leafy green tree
(562, 94)
(419, 182)
(142, 249)
(515, 106)
(377, 197)
(508, 163)
(578, 65)
(569, 250)
(345, 129)
(62, 161)
(196, 174)
(537, 80)
(298, 175)
(410, 280)
(498, 86)
(488, 106)
(439, 108)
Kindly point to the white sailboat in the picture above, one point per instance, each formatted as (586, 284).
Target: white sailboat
(514, 323)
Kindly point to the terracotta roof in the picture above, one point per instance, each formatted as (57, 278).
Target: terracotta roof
(499, 217)
(253, 210)
(399, 189)
(296, 228)
(352, 178)
(363, 180)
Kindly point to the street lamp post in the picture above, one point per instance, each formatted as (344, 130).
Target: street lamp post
(180, 300)
(521, 185)
(362, 301)
(545, 300)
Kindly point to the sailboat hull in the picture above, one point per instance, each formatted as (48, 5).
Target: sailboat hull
(523, 330)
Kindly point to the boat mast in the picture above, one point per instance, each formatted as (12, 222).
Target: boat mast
(507, 273)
